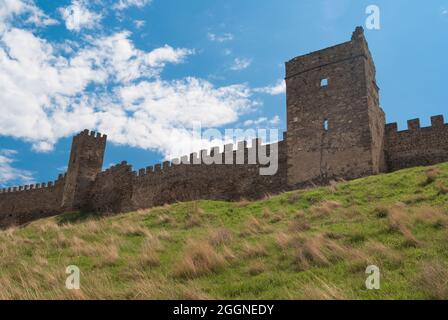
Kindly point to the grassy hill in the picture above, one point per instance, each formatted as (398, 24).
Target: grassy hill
(312, 244)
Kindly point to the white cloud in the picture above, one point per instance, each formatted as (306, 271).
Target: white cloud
(139, 23)
(240, 64)
(11, 9)
(275, 121)
(77, 16)
(276, 89)
(109, 85)
(444, 12)
(124, 4)
(9, 174)
(220, 38)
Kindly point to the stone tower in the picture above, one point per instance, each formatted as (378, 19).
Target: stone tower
(335, 124)
(86, 161)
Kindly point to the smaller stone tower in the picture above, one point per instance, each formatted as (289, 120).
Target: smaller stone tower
(86, 161)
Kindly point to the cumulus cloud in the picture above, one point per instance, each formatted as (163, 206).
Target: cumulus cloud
(220, 38)
(13, 9)
(240, 64)
(262, 121)
(123, 4)
(139, 23)
(276, 89)
(109, 85)
(77, 16)
(9, 174)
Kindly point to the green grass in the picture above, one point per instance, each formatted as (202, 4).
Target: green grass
(305, 244)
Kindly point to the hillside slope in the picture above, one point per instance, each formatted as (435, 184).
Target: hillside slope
(312, 244)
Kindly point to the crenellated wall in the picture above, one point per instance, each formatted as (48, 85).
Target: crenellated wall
(193, 177)
(416, 146)
(335, 130)
(23, 204)
(119, 189)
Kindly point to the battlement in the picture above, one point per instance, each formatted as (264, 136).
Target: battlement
(93, 134)
(34, 187)
(241, 154)
(437, 122)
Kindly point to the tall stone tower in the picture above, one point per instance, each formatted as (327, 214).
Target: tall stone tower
(86, 161)
(335, 124)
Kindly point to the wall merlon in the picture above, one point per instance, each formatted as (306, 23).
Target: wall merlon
(166, 164)
(437, 121)
(391, 127)
(195, 158)
(414, 124)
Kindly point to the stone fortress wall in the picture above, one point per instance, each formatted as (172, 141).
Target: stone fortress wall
(335, 130)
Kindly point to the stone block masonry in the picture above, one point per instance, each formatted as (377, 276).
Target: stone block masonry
(335, 130)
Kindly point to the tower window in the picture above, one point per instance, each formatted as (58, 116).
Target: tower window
(324, 82)
(326, 124)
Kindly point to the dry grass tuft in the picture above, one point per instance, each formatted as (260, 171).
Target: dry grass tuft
(193, 220)
(284, 241)
(321, 251)
(228, 254)
(149, 255)
(109, 255)
(130, 229)
(442, 188)
(61, 240)
(324, 208)
(220, 236)
(383, 253)
(254, 226)
(435, 216)
(400, 221)
(267, 213)
(431, 175)
(322, 291)
(164, 235)
(199, 258)
(333, 186)
(299, 225)
(279, 216)
(256, 268)
(194, 216)
(165, 219)
(294, 197)
(48, 226)
(434, 280)
(254, 250)
(381, 211)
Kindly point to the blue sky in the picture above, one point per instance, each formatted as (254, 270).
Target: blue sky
(144, 71)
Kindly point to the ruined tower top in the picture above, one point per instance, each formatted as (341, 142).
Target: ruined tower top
(335, 124)
(86, 161)
(358, 33)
